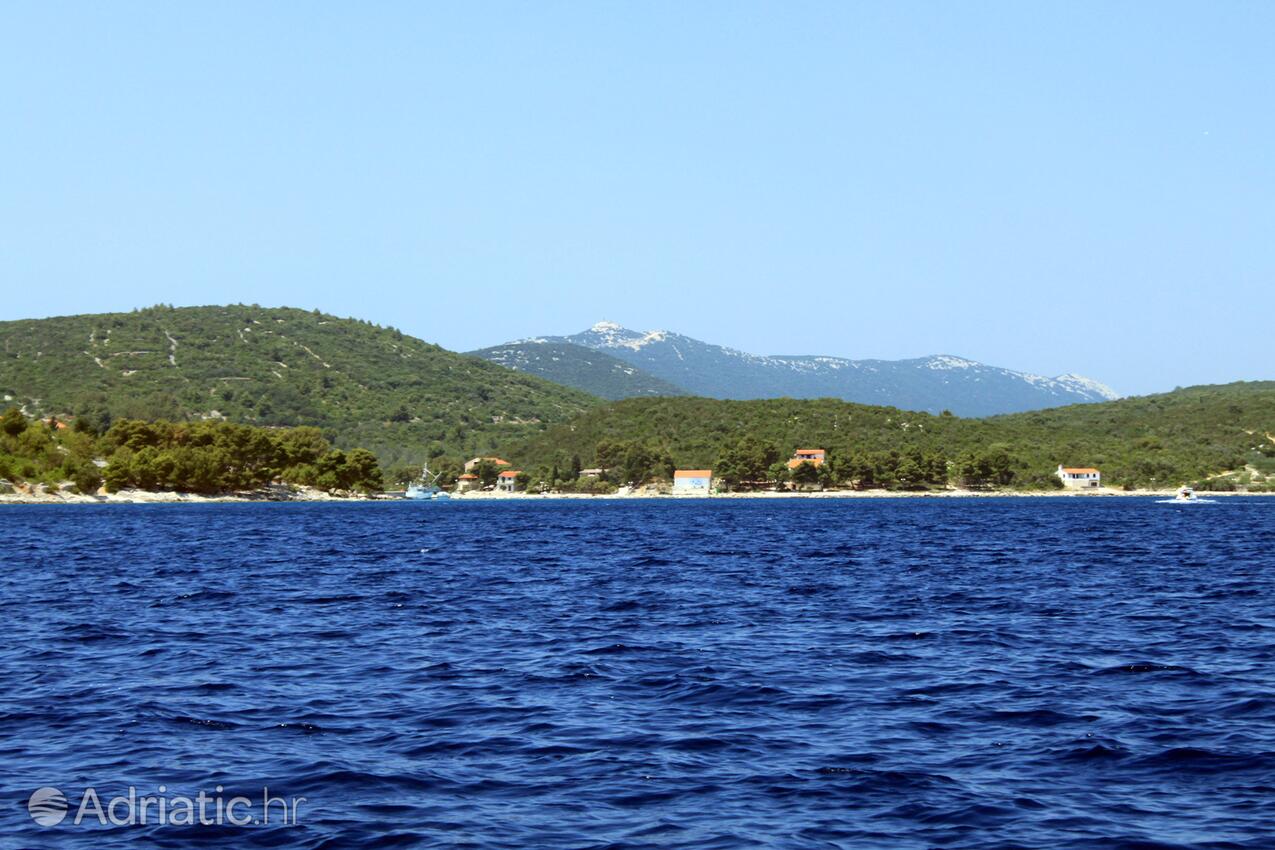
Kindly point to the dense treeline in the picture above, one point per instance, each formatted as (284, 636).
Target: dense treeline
(43, 452)
(1220, 437)
(211, 457)
(194, 457)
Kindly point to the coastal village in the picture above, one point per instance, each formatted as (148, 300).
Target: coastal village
(806, 471)
(221, 461)
(803, 466)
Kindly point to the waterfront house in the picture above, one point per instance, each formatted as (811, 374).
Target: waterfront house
(466, 482)
(507, 481)
(596, 472)
(1079, 477)
(811, 456)
(474, 461)
(692, 481)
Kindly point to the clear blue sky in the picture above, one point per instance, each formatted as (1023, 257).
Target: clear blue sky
(1082, 187)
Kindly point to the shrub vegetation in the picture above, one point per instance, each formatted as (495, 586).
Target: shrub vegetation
(194, 457)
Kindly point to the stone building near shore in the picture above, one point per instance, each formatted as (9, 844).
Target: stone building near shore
(473, 462)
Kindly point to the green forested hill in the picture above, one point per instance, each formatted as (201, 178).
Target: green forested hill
(362, 384)
(1160, 440)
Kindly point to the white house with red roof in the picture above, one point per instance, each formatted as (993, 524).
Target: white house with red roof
(507, 481)
(815, 457)
(1079, 477)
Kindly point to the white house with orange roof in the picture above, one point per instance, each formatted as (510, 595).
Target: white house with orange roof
(507, 481)
(811, 456)
(692, 481)
(1079, 477)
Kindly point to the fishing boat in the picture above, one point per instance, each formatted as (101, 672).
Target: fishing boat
(425, 487)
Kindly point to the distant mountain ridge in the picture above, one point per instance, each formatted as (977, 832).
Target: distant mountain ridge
(931, 384)
(587, 369)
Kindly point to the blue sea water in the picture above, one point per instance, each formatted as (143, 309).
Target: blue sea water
(1000, 673)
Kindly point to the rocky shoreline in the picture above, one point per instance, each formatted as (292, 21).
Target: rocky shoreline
(42, 495)
(951, 493)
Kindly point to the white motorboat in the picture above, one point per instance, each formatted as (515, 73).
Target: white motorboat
(1185, 496)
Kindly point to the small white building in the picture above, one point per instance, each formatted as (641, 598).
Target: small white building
(507, 481)
(1079, 477)
(693, 481)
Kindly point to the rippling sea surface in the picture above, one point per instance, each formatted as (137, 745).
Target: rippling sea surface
(912, 673)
